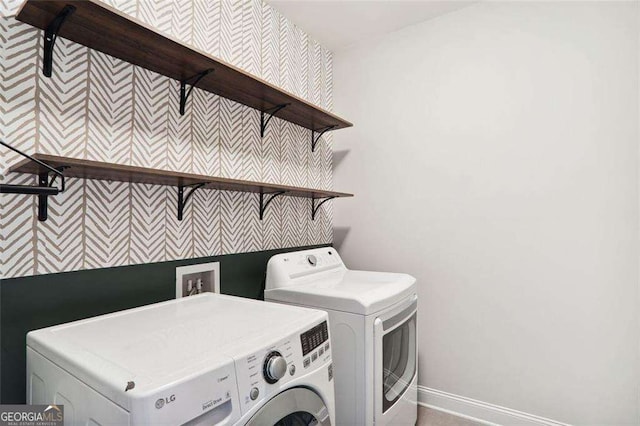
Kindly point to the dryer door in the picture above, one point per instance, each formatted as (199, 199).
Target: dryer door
(293, 407)
(395, 335)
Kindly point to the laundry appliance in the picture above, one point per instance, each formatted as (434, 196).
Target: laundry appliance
(208, 359)
(372, 318)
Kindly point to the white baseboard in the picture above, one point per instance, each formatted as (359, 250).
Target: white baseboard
(479, 411)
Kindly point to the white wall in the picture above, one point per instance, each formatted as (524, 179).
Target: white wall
(495, 157)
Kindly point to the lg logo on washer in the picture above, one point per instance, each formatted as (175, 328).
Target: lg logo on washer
(162, 401)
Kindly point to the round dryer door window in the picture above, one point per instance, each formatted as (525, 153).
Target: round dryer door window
(293, 407)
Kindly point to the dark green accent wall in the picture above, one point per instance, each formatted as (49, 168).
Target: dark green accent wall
(35, 302)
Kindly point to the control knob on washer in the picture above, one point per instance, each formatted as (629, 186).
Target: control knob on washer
(275, 367)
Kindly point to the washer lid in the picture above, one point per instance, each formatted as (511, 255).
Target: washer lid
(359, 292)
(160, 345)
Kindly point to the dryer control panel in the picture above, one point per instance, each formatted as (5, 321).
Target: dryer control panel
(286, 269)
(261, 374)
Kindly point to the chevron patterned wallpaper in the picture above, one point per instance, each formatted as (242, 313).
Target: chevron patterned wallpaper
(100, 108)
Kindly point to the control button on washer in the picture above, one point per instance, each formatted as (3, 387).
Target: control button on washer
(292, 369)
(326, 346)
(306, 362)
(314, 356)
(320, 351)
(275, 367)
(254, 393)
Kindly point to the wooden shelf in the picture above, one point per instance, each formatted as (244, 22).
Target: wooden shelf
(107, 30)
(87, 169)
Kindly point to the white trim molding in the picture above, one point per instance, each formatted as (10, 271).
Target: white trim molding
(479, 411)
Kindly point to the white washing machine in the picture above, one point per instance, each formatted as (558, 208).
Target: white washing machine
(200, 360)
(372, 318)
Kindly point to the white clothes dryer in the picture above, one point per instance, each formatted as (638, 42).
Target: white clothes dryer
(372, 318)
(201, 360)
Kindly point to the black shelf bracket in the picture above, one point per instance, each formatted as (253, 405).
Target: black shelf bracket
(315, 139)
(264, 204)
(314, 208)
(184, 94)
(182, 199)
(44, 188)
(270, 113)
(50, 37)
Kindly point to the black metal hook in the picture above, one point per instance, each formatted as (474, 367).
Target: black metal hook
(50, 36)
(184, 95)
(270, 112)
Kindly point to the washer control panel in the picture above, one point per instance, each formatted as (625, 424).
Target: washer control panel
(311, 339)
(261, 374)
